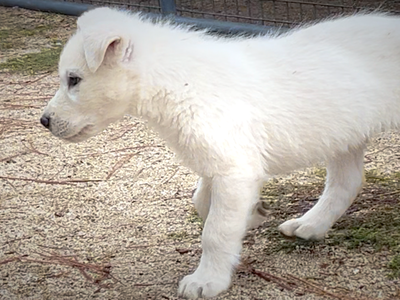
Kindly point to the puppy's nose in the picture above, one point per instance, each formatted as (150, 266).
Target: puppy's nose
(45, 121)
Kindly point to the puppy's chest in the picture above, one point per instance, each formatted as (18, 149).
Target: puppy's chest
(192, 151)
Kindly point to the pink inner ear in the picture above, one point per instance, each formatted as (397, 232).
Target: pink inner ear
(113, 45)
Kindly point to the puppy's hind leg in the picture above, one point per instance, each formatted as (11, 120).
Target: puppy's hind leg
(202, 197)
(260, 214)
(343, 183)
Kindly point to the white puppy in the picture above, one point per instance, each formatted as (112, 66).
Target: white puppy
(237, 111)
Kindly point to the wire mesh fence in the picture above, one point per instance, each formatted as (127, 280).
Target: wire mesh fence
(278, 12)
(261, 12)
(137, 5)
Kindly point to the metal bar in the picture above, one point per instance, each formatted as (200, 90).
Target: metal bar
(168, 7)
(76, 9)
(66, 8)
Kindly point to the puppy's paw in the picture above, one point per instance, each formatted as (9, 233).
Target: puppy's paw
(304, 229)
(196, 286)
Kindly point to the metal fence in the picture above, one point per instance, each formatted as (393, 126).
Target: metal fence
(261, 12)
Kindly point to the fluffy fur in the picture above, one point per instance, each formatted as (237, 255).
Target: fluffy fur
(238, 111)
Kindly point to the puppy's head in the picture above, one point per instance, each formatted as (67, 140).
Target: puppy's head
(94, 80)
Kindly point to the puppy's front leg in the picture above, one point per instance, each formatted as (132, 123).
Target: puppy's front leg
(232, 199)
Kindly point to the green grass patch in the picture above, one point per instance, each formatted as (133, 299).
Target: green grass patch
(32, 63)
(373, 221)
(15, 38)
(5, 42)
(24, 31)
(194, 218)
(379, 229)
(178, 235)
(394, 266)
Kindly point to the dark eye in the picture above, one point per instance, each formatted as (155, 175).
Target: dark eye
(73, 81)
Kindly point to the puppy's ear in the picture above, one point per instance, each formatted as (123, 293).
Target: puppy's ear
(95, 49)
(105, 37)
(100, 46)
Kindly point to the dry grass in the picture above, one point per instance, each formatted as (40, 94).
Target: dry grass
(111, 218)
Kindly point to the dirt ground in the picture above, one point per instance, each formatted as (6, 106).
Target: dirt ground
(111, 218)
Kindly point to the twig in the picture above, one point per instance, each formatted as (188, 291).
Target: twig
(119, 226)
(367, 156)
(18, 106)
(154, 245)
(317, 290)
(121, 150)
(56, 248)
(58, 172)
(65, 182)
(17, 133)
(19, 239)
(24, 99)
(28, 81)
(271, 278)
(142, 246)
(71, 261)
(7, 120)
(33, 149)
(13, 187)
(294, 282)
(151, 284)
(119, 164)
(183, 250)
(61, 274)
(130, 127)
(170, 177)
(378, 151)
(177, 196)
(374, 196)
(390, 193)
(8, 260)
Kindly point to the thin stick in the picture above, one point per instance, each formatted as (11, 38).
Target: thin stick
(15, 240)
(120, 164)
(130, 127)
(24, 99)
(151, 284)
(122, 150)
(319, 290)
(65, 182)
(33, 149)
(18, 106)
(271, 278)
(290, 285)
(170, 177)
(378, 151)
(8, 260)
(28, 81)
(390, 193)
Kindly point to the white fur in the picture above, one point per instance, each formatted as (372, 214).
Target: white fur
(238, 111)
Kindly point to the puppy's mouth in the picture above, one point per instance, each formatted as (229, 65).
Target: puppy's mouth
(83, 134)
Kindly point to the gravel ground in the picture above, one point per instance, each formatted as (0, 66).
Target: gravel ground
(111, 218)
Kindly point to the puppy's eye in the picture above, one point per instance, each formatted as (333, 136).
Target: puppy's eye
(73, 81)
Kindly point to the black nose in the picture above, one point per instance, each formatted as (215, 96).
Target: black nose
(45, 121)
